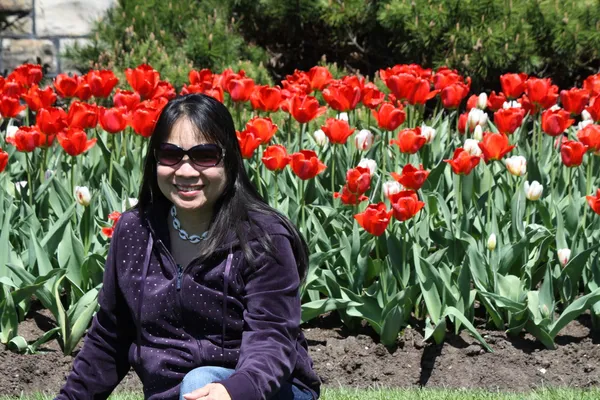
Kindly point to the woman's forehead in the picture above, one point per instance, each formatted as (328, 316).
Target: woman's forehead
(184, 133)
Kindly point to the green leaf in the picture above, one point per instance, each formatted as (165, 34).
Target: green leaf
(52, 239)
(573, 311)
(540, 334)
(561, 242)
(392, 323)
(426, 280)
(8, 320)
(86, 306)
(451, 311)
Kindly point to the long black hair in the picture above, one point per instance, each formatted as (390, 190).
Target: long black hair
(232, 210)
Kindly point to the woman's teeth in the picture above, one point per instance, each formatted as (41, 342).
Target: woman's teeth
(188, 188)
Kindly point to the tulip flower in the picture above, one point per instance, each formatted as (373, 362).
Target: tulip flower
(462, 162)
(410, 140)
(372, 97)
(482, 101)
(363, 140)
(75, 142)
(266, 98)
(516, 165)
(3, 159)
(428, 132)
(37, 98)
(358, 180)
(472, 146)
(495, 146)
(113, 120)
(368, 163)
(51, 120)
(491, 242)
(590, 136)
(592, 84)
(249, 142)
(563, 256)
(534, 191)
(462, 123)
(240, 89)
(306, 165)
(337, 130)
(126, 98)
(593, 111)
(476, 117)
(495, 101)
(163, 89)
(342, 97)
(320, 137)
(10, 106)
(82, 115)
(541, 93)
(478, 133)
(391, 187)
(101, 82)
(512, 104)
(66, 86)
(263, 128)
(454, 94)
(343, 116)
(319, 77)
(414, 89)
(405, 205)
(114, 217)
(389, 117)
(508, 120)
(349, 198)
(27, 74)
(411, 177)
(572, 152)
(574, 100)
(82, 195)
(593, 201)
(27, 138)
(144, 116)
(83, 91)
(143, 79)
(275, 157)
(204, 76)
(303, 108)
(513, 85)
(472, 102)
(374, 219)
(555, 122)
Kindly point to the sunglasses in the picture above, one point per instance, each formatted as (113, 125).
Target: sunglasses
(203, 155)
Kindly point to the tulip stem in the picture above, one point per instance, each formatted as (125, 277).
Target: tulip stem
(489, 200)
(459, 201)
(29, 187)
(113, 150)
(303, 206)
(588, 188)
(332, 168)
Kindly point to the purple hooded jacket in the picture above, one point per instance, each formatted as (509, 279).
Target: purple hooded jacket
(165, 320)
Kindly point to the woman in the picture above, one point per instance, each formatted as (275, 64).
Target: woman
(200, 290)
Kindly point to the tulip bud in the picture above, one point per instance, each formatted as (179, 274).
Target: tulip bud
(491, 243)
(391, 187)
(10, 133)
(534, 191)
(586, 115)
(82, 195)
(478, 133)
(428, 132)
(48, 174)
(544, 311)
(476, 117)
(320, 137)
(516, 165)
(368, 163)
(132, 201)
(511, 104)
(482, 101)
(342, 116)
(472, 147)
(363, 140)
(563, 256)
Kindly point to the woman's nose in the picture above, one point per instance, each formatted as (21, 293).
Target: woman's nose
(186, 168)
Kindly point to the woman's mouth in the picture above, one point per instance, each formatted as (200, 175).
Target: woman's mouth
(189, 189)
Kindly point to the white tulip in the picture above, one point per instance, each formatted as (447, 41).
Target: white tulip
(11, 131)
(476, 117)
(584, 123)
(534, 191)
(564, 255)
(516, 165)
(586, 115)
(391, 187)
(511, 104)
(555, 107)
(368, 163)
(82, 195)
(482, 101)
(428, 132)
(343, 116)
(478, 133)
(132, 201)
(472, 147)
(491, 243)
(20, 185)
(363, 140)
(320, 137)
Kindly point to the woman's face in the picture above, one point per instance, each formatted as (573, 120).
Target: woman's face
(208, 182)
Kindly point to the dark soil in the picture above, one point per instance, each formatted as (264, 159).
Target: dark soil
(358, 360)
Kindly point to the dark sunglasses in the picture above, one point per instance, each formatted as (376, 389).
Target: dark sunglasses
(203, 155)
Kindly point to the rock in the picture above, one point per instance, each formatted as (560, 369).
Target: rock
(335, 347)
(473, 350)
(68, 17)
(18, 51)
(15, 6)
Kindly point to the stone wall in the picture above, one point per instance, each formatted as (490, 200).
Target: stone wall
(37, 31)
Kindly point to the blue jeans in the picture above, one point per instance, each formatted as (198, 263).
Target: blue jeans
(201, 376)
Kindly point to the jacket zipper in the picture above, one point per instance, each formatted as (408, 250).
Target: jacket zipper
(179, 275)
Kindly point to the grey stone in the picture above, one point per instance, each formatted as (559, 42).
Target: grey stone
(16, 5)
(68, 17)
(18, 25)
(19, 51)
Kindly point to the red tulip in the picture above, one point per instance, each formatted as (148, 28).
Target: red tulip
(594, 202)
(590, 136)
(126, 98)
(10, 107)
(65, 85)
(298, 83)
(371, 96)
(262, 128)
(266, 98)
(51, 120)
(83, 91)
(472, 102)
(389, 117)
(342, 97)
(249, 142)
(411, 177)
(337, 130)
(27, 74)
(513, 85)
(113, 120)
(405, 204)
(541, 92)
(2, 82)
(74, 141)
(143, 79)
(594, 108)
(349, 198)
(408, 87)
(454, 94)
(508, 120)
(101, 82)
(358, 180)
(202, 77)
(462, 122)
(413, 69)
(592, 85)
(3, 159)
(572, 152)
(306, 165)
(37, 98)
(445, 77)
(410, 140)
(303, 108)
(13, 89)
(463, 162)
(27, 138)
(216, 93)
(496, 101)
(114, 217)
(164, 89)
(240, 89)
(574, 100)
(374, 219)
(82, 115)
(555, 122)
(143, 118)
(275, 157)
(495, 146)
(319, 77)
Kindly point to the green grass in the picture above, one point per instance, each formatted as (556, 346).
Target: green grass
(406, 394)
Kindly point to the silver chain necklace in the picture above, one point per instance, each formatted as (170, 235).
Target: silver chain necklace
(183, 234)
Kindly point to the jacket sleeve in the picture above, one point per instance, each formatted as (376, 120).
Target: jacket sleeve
(103, 360)
(271, 326)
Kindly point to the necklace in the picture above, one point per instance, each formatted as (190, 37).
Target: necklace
(183, 234)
